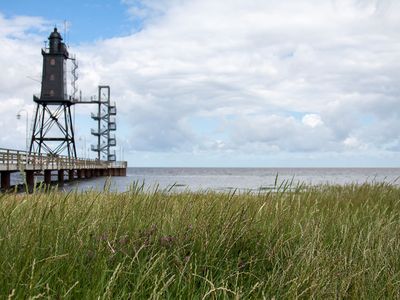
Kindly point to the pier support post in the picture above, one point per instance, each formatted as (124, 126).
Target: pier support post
(47, 176)
(71, 175)
(30, 179)
(5, 180)
(60, 177)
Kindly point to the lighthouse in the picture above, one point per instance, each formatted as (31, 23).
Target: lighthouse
(54, 80)
(53, 131)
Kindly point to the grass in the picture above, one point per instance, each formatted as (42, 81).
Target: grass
(307, 242)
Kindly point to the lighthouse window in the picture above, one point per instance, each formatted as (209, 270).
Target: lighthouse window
(51, 77)
(52, 61)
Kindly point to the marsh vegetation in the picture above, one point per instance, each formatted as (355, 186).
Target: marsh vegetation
(323, 242)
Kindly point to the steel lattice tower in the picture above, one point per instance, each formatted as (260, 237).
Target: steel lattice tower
(106, 124)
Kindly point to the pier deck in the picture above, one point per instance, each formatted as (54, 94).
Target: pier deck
(42, 164)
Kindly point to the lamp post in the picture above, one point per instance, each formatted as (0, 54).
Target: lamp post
(121, 153)
(121, 150)
(84, 146)
(27, 126)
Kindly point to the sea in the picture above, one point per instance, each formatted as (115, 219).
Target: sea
(228, 179)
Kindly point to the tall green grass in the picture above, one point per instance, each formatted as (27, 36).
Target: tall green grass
(322, 242)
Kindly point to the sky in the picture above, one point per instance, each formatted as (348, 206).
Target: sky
(229, 83)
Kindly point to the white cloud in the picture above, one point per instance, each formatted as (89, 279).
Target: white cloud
(20, 27)
(312, 120)
(294, 76)
(354, 143)
(253, 59)
(20, 61)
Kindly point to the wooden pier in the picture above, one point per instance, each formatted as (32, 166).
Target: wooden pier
(45, 165)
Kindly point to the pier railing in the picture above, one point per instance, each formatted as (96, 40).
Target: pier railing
(11, 160)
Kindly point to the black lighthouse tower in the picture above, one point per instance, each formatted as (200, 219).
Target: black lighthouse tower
(53, 131)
